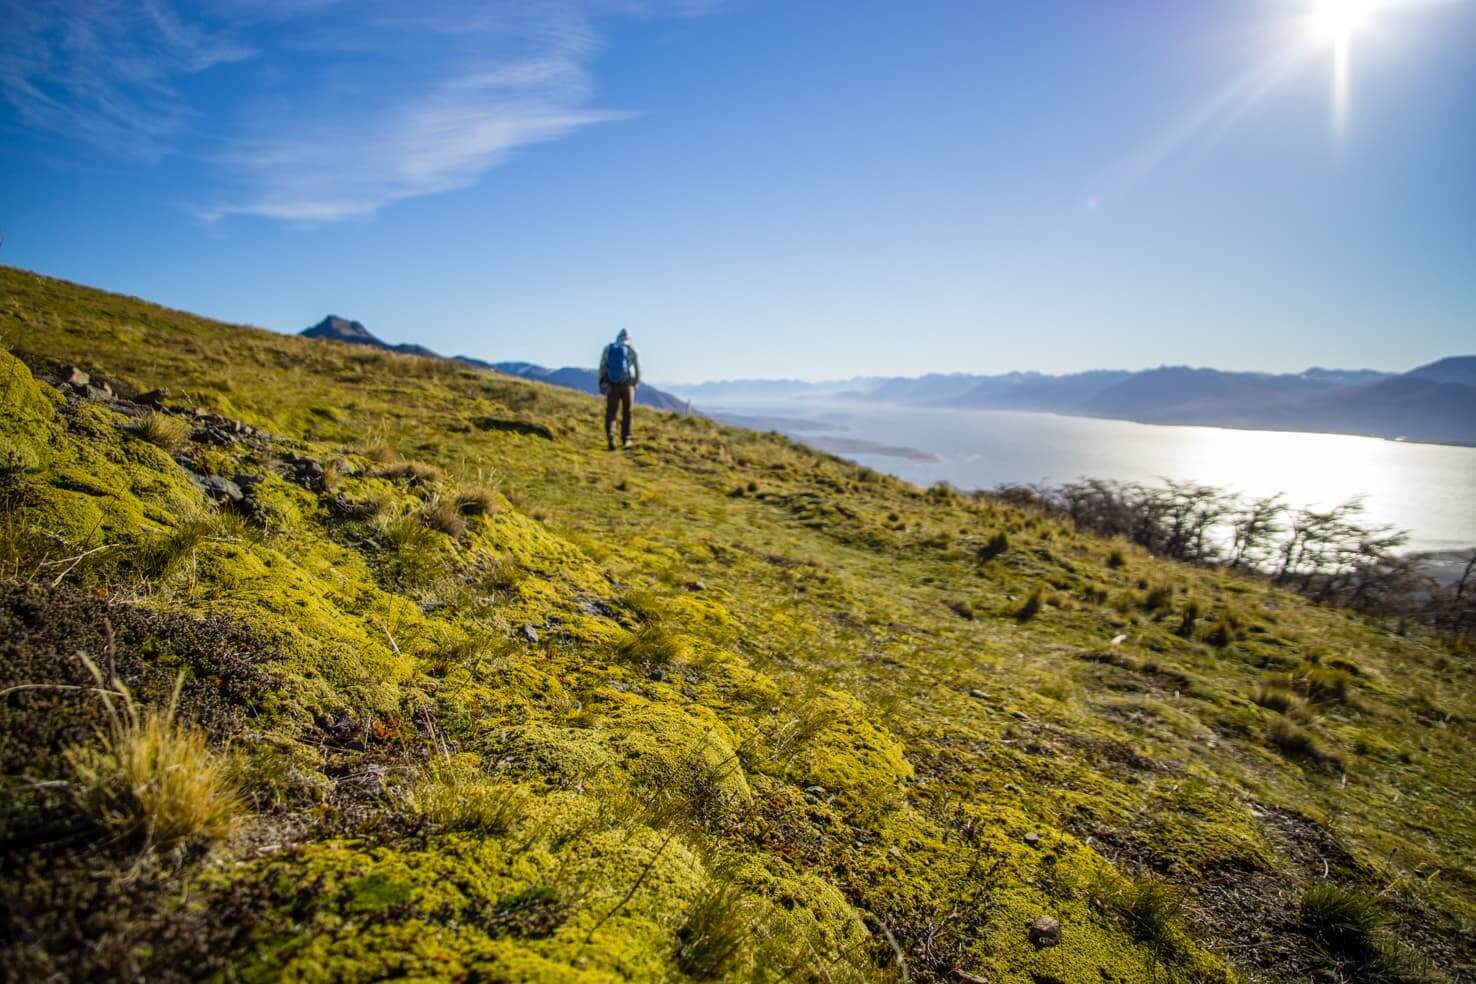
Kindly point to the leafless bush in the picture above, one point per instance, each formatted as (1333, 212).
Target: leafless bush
(1327, 554)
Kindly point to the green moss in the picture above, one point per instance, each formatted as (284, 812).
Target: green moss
(819, 744)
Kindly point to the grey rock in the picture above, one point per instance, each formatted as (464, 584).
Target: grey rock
(976, 692)
(98, 394)
(1033, 839)
(217, 488)
(529, 633)
(153, 398)
(73, 376)
(1045, 931)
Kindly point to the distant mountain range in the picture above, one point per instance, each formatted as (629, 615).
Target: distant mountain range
(336, 329)
(1435, 403)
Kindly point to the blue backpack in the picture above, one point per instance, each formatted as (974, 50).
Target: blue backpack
(617, 364)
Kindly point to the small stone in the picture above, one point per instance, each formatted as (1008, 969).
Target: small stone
(1033, 839)
(529, 633)
(657, 674)
(97, 394)
(73, 376)
(153, 398)
(815, 790)
(976, 692)
(220, 489)
(964, 977)
(1045, 931)
(1020, 715)
(696, 586)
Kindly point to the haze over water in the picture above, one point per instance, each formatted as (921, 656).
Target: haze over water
(1429, 490)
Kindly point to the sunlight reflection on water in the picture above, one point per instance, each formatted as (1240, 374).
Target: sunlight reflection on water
(1427, 489)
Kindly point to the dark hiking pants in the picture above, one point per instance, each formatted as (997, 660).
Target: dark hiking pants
(619, 398)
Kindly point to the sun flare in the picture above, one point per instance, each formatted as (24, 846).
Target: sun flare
(1337, 20)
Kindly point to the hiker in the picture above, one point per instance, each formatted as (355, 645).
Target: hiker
(620, 374)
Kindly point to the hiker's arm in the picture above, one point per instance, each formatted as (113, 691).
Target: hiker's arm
(604, 363)
(635, 366)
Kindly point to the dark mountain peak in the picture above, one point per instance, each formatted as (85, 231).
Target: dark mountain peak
(1455, 369)
(343, 330)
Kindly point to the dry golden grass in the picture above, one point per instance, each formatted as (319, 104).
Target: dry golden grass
(484, 807)
(152, 777)
(477, 500)
(162, 430)
(443, 515)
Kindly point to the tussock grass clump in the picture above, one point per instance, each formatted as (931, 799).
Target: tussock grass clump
(152, 778)
(477, 500)
(1032, 605)
(998, 544)
(710, 940)
(444, 516)
(413, 472)
(382, 453)
(1157, 598)
(1345, 922)
(1150, 909)
(493, 573)
(1324, 684)
(161, 430)
(483, 807)
(1116, 560)
(1188, 620)
(1282, 700)
(651, 647)
(1296, 741)
(1225, 631)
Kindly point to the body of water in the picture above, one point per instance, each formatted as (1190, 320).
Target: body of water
(1429, 490)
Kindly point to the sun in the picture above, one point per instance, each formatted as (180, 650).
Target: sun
(1338, 20)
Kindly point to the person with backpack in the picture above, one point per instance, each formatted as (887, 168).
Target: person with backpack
(620, 374)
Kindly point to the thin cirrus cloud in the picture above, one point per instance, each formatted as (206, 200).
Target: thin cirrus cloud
(331, 110)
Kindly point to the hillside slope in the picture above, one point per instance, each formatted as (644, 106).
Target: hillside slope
(503, 706)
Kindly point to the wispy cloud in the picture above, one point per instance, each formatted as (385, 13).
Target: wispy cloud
(105, 72)
(335, 109)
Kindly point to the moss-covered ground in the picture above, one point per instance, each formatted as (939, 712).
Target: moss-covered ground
(507, 707)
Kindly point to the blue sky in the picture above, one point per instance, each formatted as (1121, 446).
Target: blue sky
(764, 188)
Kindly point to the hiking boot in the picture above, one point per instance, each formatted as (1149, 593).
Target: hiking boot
(610, 441)
(628, 444)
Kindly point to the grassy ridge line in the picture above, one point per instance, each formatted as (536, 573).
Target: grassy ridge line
(861, 723)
